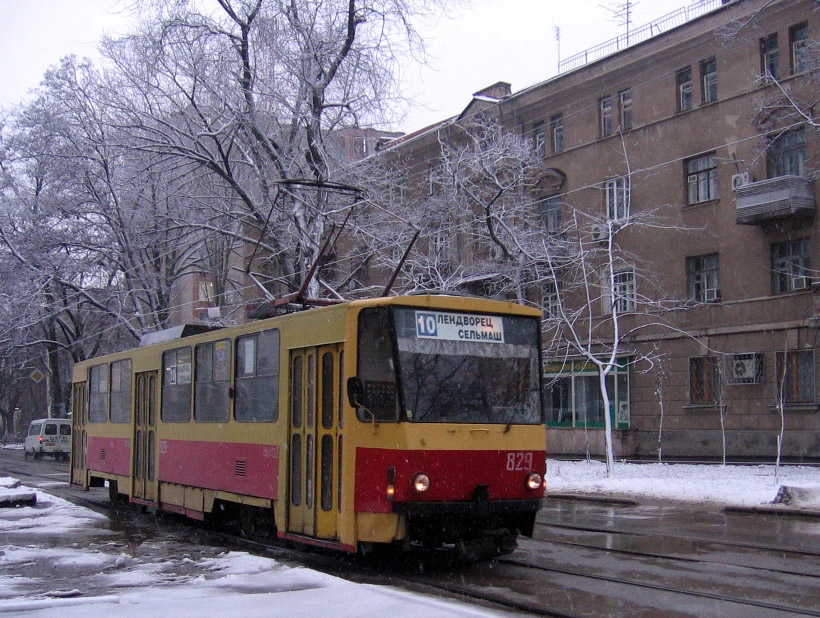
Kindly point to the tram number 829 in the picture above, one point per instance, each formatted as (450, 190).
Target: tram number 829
(519, 461)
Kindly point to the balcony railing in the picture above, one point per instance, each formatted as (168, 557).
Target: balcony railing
(642, 33)
(775, 198)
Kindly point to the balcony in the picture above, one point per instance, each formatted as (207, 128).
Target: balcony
(774, 198)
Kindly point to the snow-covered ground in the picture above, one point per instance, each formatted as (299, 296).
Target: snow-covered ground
(731, 485)
(122, 584)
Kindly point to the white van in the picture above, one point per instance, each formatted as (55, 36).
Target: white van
(49, 436)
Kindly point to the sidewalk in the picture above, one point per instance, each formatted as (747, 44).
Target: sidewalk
(756, 488)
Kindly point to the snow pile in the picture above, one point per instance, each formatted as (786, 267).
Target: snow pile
(51, 515)
(731, 485)
(11, 494)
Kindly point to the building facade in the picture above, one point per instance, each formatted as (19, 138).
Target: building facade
(702, 138)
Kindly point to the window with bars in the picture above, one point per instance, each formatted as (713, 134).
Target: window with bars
(800, 48)
(703, 278)
(701, 179)
(795, 377)
(625, 109)
(557, 125)
(770, 57)
(605, 115)
(791, 266)
(786, 154)
(683, 82)
(704, 380)
(617, 196)
(708, 78)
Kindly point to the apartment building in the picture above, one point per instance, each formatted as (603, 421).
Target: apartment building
(704, 130)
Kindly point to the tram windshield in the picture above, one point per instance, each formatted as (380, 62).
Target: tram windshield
(453, 367)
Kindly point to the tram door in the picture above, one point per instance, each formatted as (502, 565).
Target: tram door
(144, 459)
(79, 439)
(314, 436)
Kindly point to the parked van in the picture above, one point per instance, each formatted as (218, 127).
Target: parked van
(49, 436)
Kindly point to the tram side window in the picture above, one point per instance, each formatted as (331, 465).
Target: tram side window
(213, 380)
(176, 385)
(121, 391)
(98, 394)
(257, 377)
(377, 366)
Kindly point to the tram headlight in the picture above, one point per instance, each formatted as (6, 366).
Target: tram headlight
(534, 480)
(421, 483)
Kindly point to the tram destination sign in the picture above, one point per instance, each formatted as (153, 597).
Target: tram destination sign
(459, 327)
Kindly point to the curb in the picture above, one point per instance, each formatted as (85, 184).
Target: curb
(604, 499)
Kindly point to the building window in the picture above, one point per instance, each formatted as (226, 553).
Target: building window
(539, 143)
(551, 215)
(799, 48)
(551, 298)
(605, 115)
(704, 381)
(703, 278)
(683, 80)
(701, 179)
(786, 154)
(769, 57)
(623, 291)
(795, 377)
(617, 195)
(625, 109)
(708, 78)
(573, 395)
(791, 268)
(557, 125)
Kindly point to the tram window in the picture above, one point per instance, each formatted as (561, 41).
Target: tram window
(311, 391)
(213, 380)
(377, 366)
(98, 394)
(121, 391)
(327, 472)
(176, 386)
(296, 392)
(257, 377)
(296, 470)
(327, 390)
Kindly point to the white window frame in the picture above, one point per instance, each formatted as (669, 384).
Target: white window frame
(617, 198)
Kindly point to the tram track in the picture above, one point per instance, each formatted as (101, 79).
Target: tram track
(523, 582)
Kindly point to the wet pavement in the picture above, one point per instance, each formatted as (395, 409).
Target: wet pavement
(591, 558)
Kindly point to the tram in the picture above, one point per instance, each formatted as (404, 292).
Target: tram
(413, 421)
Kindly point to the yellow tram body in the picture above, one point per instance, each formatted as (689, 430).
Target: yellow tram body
(188, 425)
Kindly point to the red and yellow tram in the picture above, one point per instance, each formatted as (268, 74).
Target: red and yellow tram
(414, 420)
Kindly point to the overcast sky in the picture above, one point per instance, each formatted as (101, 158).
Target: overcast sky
(483, 42)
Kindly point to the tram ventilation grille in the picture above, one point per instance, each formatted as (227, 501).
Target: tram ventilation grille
(102, 454)
(241, 467)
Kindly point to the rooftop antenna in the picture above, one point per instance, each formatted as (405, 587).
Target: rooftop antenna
(558, 40)
(622, 13)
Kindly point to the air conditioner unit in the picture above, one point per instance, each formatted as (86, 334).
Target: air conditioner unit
(800, 283)
(599, 232)
(711, 295)
(738, 180)
(745, 368)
